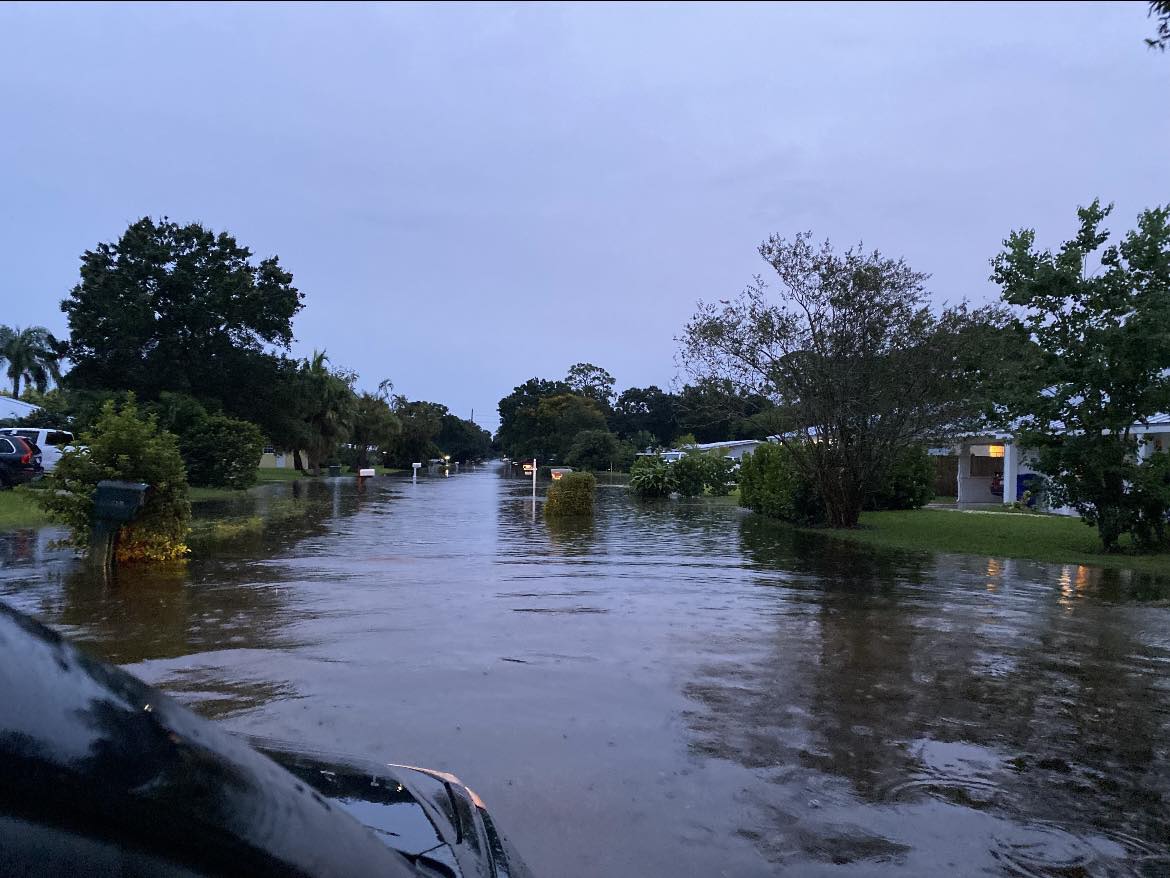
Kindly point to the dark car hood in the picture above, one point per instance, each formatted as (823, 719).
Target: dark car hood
(429, 816)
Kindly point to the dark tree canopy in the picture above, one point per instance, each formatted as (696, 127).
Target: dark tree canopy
(171, 307)
(421, 422)
(462, 439)
(715, 409)
(585, 379)
(646, 410)
(519, 423)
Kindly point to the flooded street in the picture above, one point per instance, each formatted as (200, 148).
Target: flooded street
(678, 689)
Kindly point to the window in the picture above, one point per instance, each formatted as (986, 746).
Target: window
(57, 438)
(7, 447)
(30, 435)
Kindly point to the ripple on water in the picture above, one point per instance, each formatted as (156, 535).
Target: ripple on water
(1039, 850)
(955, 772)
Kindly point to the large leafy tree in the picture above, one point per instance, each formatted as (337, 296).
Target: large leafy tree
(520, 426)
(560, 419)
(1098, 321)
(30, 355)
(175, 307)
(588, 380)
(853, 353)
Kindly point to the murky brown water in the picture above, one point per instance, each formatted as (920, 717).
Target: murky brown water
(679, 689)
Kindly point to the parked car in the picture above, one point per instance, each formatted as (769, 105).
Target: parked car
(20, 461)
(104, 775)
(52, 442)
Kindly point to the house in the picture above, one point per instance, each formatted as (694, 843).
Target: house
(12, 409)
(734, 449)
(991, 467)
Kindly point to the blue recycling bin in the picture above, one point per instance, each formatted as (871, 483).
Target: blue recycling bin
(1025, 483)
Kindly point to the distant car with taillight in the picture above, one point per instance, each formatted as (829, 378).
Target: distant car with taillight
(52, 442)
(20, 461)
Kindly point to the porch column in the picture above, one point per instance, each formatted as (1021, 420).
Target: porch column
(1145, 447)
(1011, 467)
(964, 470)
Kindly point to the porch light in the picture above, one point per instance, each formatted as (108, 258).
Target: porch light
(995, 451)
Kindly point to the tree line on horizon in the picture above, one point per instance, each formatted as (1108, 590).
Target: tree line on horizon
(580, 420)
(186, 321)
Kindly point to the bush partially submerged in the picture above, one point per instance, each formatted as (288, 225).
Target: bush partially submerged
(651, 477)
(571, 496)
(123, 445)
(691, 475)
(222, 452)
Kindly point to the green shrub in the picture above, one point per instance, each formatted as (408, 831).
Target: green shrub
(771, 484)
(651, 477)
(123, 445)
(221, 452)
(908, 483)
(690, 474)
(718, 474)
(571, 496)
(1151, 494)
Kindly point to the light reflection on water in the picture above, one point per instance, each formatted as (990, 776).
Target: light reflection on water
(675, 688)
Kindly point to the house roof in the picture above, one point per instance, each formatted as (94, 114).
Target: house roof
(731, 443)
(16, 408)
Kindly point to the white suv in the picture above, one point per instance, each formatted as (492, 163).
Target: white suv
(51, 442)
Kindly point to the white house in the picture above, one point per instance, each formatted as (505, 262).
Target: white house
(734, 449)
(12, 408)
(993, 468)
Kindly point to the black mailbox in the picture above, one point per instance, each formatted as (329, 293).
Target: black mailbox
(118, 501)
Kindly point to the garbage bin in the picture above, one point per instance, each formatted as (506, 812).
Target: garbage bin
(334, 469)
(1028, 482)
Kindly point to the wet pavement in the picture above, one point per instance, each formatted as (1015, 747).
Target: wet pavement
(676, 689)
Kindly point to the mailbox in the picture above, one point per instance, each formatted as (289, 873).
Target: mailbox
(119, 502)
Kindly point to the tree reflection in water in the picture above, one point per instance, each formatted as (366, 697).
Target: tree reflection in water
(978, 705)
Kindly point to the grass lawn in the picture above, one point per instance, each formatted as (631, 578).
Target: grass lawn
(281, 474)
(19, 508)
(1055, 538)
(197, 495)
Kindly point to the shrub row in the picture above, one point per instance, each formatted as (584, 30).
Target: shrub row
(771, 483)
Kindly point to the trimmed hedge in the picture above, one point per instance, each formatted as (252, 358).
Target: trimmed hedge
(571, 496)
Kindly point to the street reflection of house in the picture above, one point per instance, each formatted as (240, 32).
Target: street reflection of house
(991, 467)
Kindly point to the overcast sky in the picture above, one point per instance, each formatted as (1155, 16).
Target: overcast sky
(470, 196)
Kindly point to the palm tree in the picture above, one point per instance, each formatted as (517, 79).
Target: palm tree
(32, 355)
(330, 405)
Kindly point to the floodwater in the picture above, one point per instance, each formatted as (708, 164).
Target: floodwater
(677, 689)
